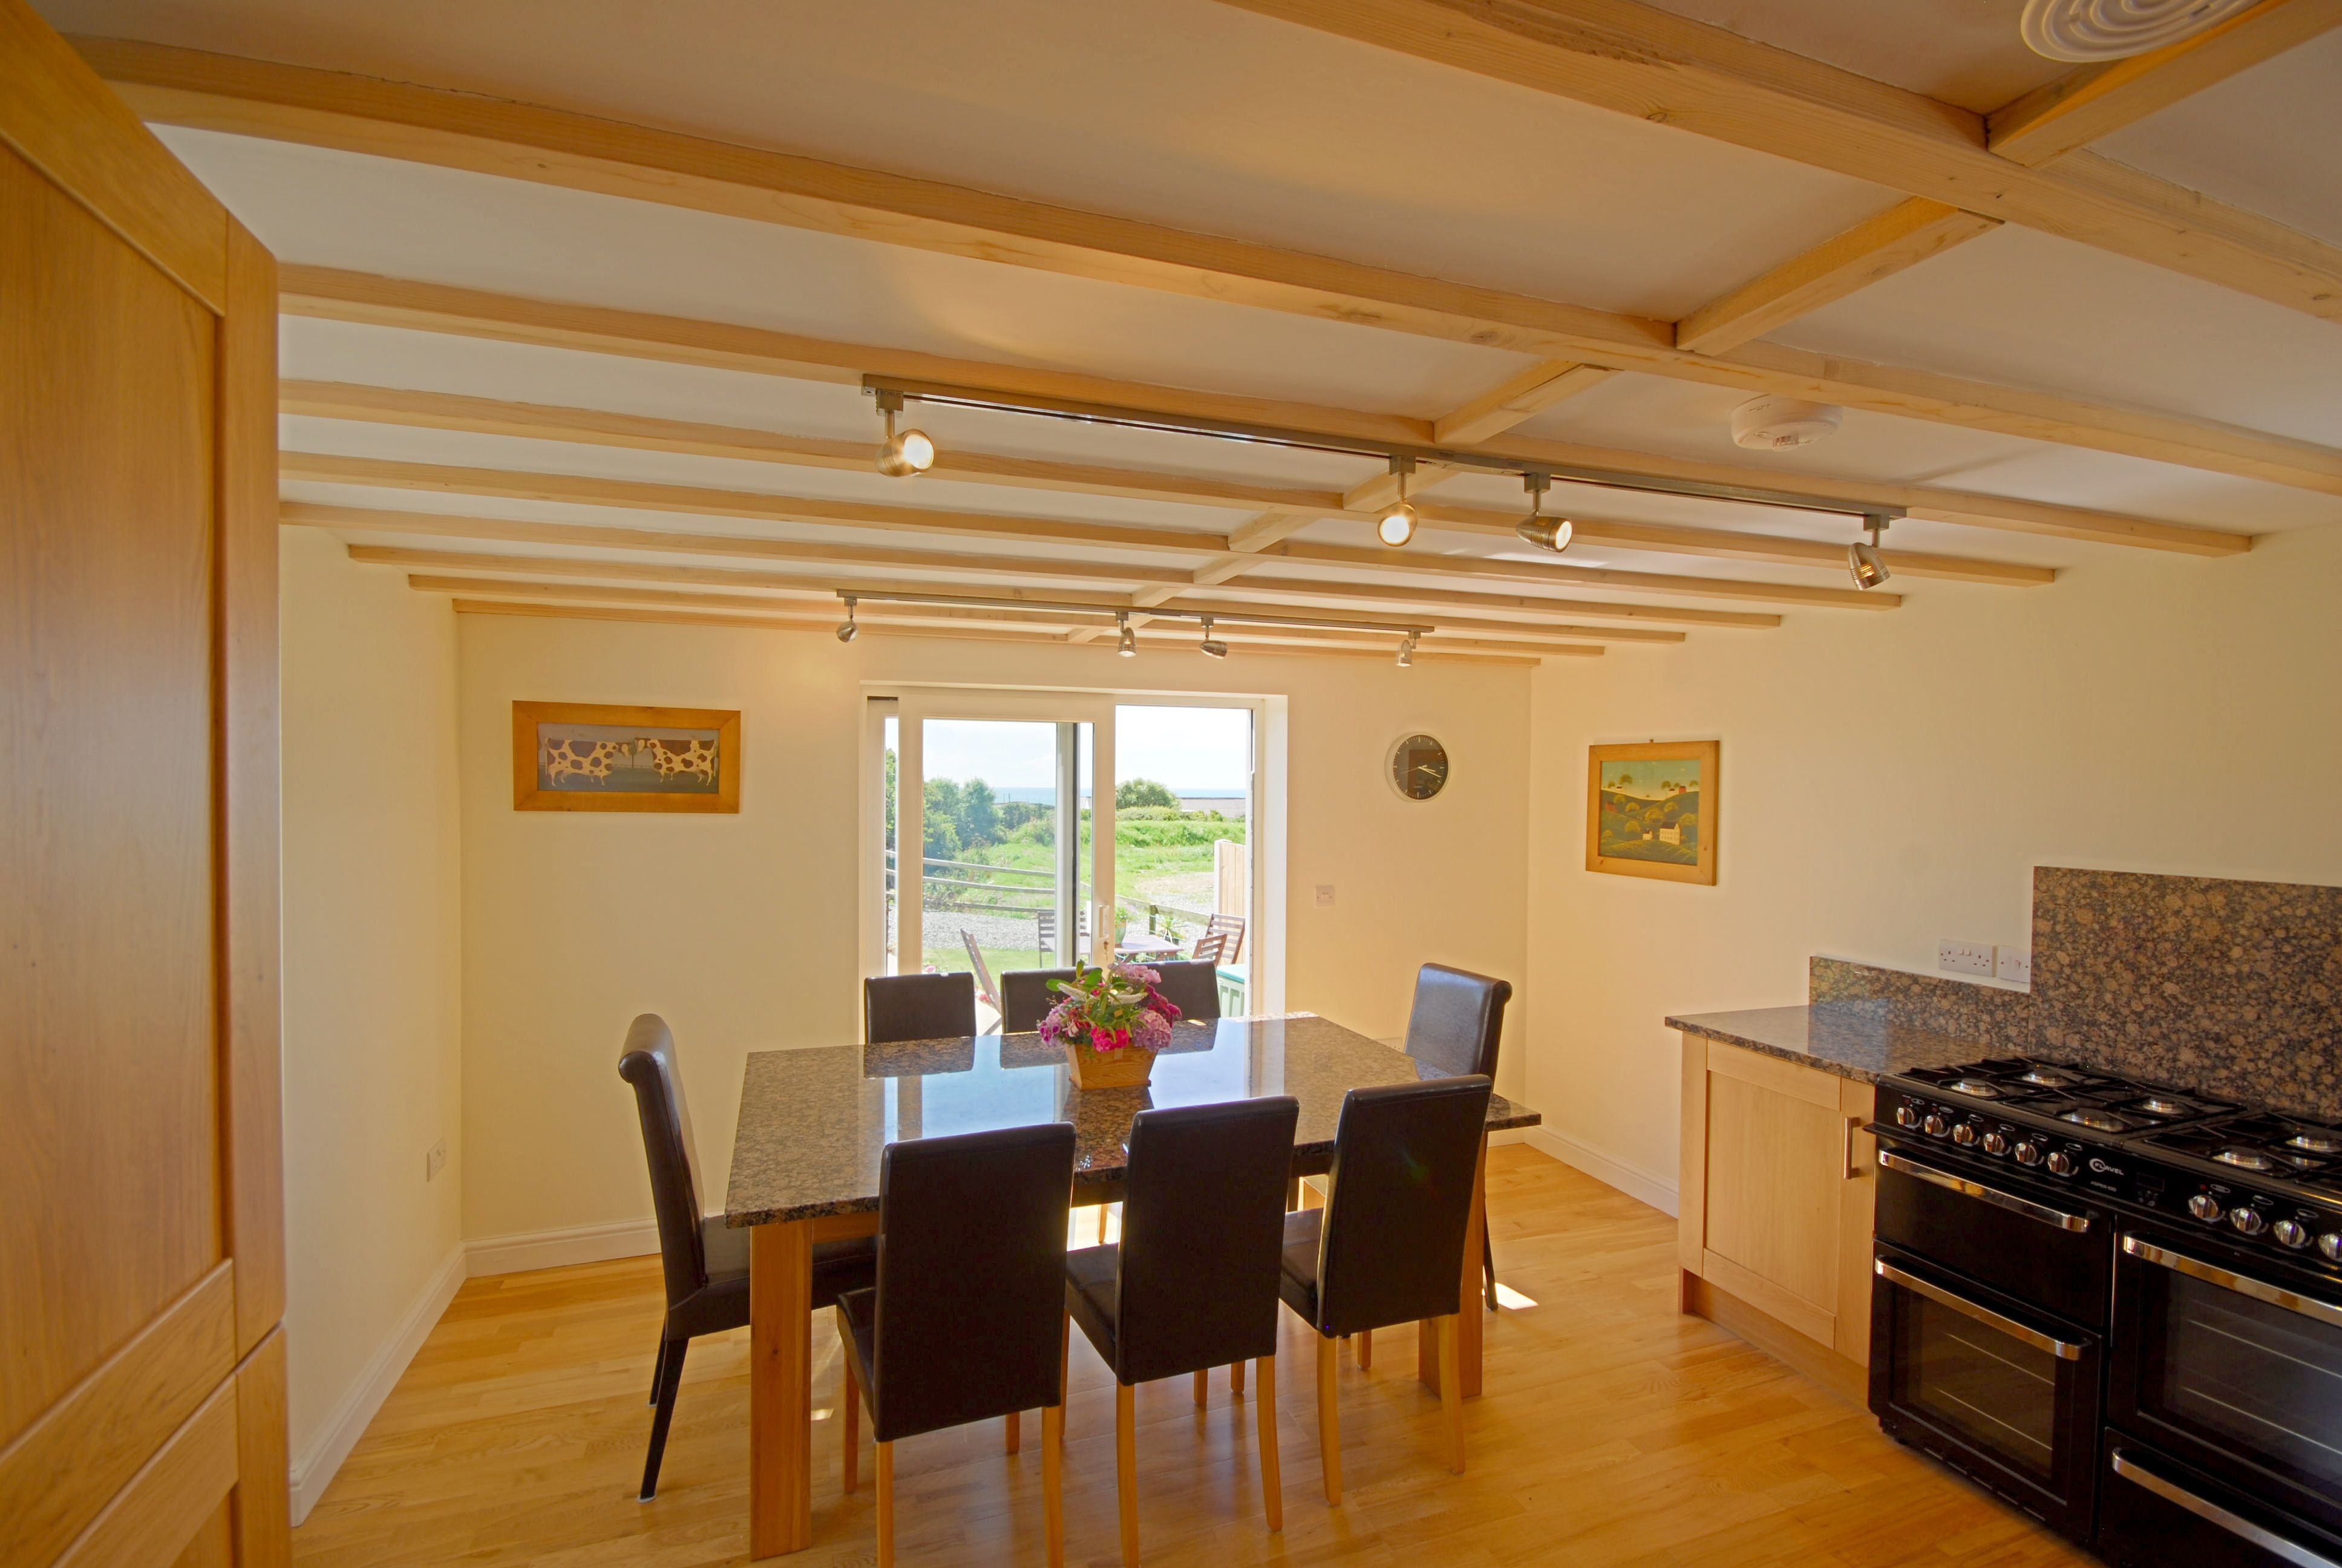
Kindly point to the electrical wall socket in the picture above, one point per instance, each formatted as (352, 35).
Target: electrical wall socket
(2013, 963)
(436, 1160)
(1965, 958)
(1324, 896)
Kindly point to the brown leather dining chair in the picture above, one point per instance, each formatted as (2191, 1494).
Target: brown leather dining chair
(1193, 1284)
(1454, 1028)
(1192, 987)
(966, 1319)
(1025, 998)
(705, 1261)
(1389, 1246)
(917, 1007)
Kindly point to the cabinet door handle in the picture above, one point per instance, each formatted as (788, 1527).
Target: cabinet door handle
(1854, 1163)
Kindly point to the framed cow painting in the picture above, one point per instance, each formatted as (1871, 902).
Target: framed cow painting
(594, 756)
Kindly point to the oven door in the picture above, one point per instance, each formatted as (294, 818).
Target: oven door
(2233, 1367)
(2156, 1511)
(1996, 1390)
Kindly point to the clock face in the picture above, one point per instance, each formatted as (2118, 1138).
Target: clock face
(1418, 767)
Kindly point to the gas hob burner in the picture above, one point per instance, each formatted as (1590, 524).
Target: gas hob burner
(2312, 1142)
(2158, 1105)
(2098, 1121)
(2247, 1159)
(2044, 1076)
(1974, 1086)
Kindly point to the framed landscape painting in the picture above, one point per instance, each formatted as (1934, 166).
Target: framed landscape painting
(593, 756)
(1650, 810)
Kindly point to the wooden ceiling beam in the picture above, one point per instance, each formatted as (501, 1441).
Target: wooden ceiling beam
(1517, 397)
(329, 294)
(640, 496)
(2066, 114)
(1705, 80)
(1904, 235)
(550, 146)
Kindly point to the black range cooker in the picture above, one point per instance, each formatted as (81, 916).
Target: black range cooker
(2117, 1304)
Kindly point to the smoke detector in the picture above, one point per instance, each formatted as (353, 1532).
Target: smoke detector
(2089, 30)
(1777, 424)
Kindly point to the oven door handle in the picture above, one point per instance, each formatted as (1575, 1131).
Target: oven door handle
(1890, 1161)
(2229, 1280)
(2211, 1512)
(1984, 1315)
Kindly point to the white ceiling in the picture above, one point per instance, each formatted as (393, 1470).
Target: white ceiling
(1199, 115)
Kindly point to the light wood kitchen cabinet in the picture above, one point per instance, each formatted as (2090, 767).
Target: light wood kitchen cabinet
(1776, 1206)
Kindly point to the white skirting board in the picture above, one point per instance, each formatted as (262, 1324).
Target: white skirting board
(556, 1249)
(315, 1470)
(1629, 1178)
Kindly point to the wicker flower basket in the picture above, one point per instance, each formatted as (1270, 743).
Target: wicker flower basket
(1129, 1068)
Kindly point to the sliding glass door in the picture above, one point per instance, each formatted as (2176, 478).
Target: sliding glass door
(1020, 830)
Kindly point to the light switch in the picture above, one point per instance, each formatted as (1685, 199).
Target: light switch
(435, 1159)
(1324, 896)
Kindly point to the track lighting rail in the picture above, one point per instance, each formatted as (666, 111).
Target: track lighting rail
(895, 389)
(1409, 631)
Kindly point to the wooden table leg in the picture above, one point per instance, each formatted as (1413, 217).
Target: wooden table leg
(780, 1389)
(1467, 1323)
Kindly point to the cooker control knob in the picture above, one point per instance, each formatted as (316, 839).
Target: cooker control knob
(2203, 1206)
(2248, 1221)
(2292, 1233)
(1934, 1126)
(2330, 1244)
(2026, 1154)
(1905, 1116)
(2061, 1163)
(1964, 1133)
(1995, 1142)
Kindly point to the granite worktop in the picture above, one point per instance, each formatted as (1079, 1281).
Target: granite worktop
(813, 1122)
(1860, 1040)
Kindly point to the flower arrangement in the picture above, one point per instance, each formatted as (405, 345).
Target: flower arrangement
(1111, 1009)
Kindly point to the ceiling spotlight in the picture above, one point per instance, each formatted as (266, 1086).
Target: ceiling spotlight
(1406, 651)
(846, 630)
(1213, 648)
(912, 452)
(1867, 567)
(1127, 643)
(1395, 527)
(1545, 533)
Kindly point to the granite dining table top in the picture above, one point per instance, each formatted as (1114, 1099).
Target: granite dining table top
(813, 1122)
(1860, 1040)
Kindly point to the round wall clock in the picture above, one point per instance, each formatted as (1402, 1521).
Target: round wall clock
(1418, 766)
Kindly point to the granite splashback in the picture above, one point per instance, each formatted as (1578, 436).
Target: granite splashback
(2233, 988)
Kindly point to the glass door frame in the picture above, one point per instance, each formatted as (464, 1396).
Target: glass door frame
(911, 708)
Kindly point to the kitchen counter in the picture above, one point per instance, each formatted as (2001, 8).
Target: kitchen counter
(1856, 1040)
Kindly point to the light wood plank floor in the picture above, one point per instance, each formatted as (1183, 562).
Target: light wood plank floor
(1614, 1433)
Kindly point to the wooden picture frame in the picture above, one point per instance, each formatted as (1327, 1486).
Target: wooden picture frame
(629, 759)
(1673, 804)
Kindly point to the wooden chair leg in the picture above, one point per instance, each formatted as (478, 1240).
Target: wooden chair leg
(1203, 1387)
(1451, 1393)
(658, 1371)
(1329, 1420)
(1053, 1480)
(1125, 1468)
(1235, 1378)
(1272, 1475)
(885, 1504)
(1364, 1343)
(670, 1380)
(849, 1400)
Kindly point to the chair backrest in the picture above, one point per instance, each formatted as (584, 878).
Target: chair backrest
(971, 1277)
(1191, 985)
(1203, 1225)
(1233, 924)
(1457, 1019)
(984, 985)
(647, 1061)
(917, 1007)
(1392, 1246)
(1210, 948)
(1024, 996)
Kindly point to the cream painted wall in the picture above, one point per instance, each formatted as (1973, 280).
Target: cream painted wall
(741, 930)
(372, 1002)
(1892, 780)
